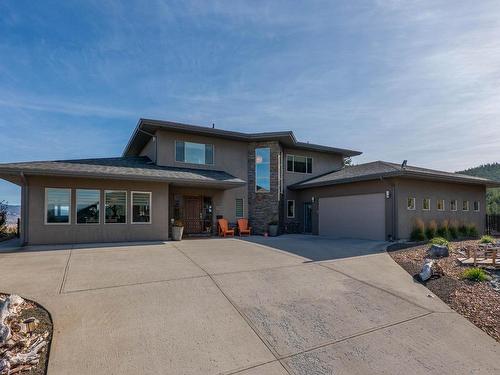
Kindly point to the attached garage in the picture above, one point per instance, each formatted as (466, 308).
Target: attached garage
(353, 216)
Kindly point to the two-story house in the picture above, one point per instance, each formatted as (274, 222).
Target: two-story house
(196, 174)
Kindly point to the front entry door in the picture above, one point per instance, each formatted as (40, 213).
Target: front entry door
(193, 215)
(308, 217)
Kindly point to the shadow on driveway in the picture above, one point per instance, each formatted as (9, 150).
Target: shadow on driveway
(319, 248)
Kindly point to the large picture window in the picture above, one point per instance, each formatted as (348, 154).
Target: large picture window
(115, 207)
(263, 170)
(57, 206)
(87, 206)
(194, 153)
(141, 207)
(298, 164)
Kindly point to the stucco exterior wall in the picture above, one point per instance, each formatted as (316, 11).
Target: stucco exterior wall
(40, 233)
(421, 189)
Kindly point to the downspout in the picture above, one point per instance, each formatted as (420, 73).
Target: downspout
(24, 209)
(155, 140)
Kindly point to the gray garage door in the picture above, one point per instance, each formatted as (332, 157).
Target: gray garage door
(354, 216)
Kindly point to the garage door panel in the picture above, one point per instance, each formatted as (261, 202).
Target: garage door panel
(353, 216)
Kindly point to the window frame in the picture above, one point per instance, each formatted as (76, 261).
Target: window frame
(184, 156)
(76, 206)
(423, 206)
(150, 193)
(456, 205)
(437, 205)
(236, 208)
(293, 205)
(468, 206)
(478, 206)
(255, 172)
(126, 206)
(414, 200)
(46, 206)
(293, 163)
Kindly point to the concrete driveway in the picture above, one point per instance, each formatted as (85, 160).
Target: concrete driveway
(239, 307)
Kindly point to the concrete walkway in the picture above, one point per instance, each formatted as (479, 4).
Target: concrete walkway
(238, 307)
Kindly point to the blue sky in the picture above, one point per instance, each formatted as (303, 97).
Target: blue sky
(398, 80)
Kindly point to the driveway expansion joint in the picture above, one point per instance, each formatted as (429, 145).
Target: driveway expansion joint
(241, 313)
(66, 269)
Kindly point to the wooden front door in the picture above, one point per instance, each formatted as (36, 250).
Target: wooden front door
(193, 215)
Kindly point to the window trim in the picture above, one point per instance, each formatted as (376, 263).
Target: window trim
(468, 206)
(293, 202)
(184, 156)
(242, 208)
(430, 204)
(444, 205)
(451, 205)
(46, 206)
(126, 207)
(76, 207)
(414, 204)
(478, 206)
(293, 155)
(150, 193)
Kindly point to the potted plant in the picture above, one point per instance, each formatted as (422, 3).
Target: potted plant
(177, 230)
(273, 228)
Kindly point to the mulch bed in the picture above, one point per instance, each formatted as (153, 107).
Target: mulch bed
(44, 325)
(477, 301)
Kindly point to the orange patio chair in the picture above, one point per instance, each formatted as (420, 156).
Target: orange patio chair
(243, 227)
(224, 228)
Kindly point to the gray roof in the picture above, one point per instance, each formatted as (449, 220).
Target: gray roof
(129, 168)
(146, 127)
(382, 169)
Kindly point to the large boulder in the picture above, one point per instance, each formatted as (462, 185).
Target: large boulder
(438, 251)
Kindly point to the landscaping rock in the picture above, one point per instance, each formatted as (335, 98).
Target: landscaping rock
(438, 251)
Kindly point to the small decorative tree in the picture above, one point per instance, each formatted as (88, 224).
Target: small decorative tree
(3, 216)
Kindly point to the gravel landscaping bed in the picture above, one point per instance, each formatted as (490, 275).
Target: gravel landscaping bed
(477, 301)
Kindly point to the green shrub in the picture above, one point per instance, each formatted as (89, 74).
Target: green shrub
(453, 231)
(472, 231)
(430, 232)
(487, 239)
(475, 274)
(463, 231)
(417, 234)
(443, 232)
(440, 241)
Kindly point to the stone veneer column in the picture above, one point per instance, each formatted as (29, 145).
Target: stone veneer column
(263, 207)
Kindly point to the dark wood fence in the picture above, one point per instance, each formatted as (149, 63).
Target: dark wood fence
(493, 224)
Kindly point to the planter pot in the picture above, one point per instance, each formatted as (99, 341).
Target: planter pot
(273, 230)
(177, 233)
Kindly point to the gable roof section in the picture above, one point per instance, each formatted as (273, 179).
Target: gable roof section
(146, 128)
(128, 168)
(381, 169)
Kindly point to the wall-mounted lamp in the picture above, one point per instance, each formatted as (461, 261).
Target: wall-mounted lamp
(387, 194)
(312, 199)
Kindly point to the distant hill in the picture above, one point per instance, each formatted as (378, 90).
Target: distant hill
(491, 171)
(13, 213)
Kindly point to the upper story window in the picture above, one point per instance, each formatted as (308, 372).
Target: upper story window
(476, 206)
(453, 205)
(263, 170)
(87, 206)
(465, 206)
(298, 164)
(57, 206)
(194, 153)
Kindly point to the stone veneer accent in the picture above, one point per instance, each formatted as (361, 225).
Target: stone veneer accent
(263, 207)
